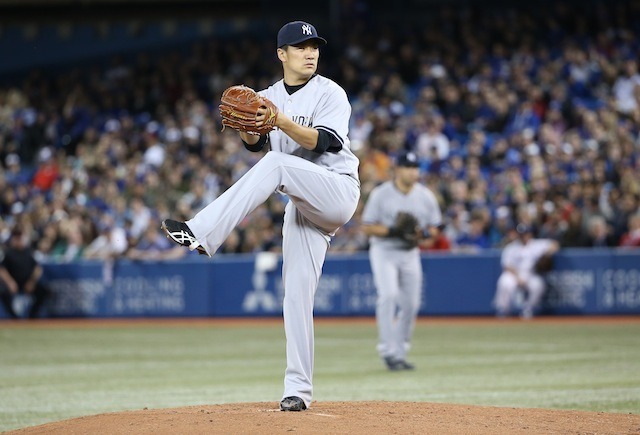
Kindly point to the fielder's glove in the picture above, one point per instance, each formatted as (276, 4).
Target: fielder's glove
(406, 228)
(239, 107)
(544, 264)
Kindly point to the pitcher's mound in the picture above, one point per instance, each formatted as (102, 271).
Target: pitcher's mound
(346, 418)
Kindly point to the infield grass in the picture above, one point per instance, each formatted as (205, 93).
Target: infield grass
(52, 371)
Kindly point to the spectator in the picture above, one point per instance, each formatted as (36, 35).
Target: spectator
(439, 242)
(16, 174)
(139, 216)
(70, 246)
(432, 144)
(47, 171)
(624, 207)
(154, 246)
(20, 276)
(110, 243)
(516, 122)
(474, 239)
(599, 234)
(500, 232)
(573, 236)
(624, 87)
(631, 239)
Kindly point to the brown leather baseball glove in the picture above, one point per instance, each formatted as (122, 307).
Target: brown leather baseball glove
(543, 264)
(239, 107)
(406, 228)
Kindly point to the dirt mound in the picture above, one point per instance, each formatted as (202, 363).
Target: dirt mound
(347, 418)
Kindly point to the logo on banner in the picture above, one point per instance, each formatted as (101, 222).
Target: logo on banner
(259, 299)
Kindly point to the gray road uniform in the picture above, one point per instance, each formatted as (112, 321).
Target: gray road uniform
(397, 271)
(323, 190)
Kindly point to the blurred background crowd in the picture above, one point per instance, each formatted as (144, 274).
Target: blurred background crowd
(516, 117)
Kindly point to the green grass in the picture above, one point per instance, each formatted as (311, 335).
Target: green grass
(49, 374)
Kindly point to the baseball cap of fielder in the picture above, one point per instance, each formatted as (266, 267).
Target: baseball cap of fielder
(408, 159)
(296, 32)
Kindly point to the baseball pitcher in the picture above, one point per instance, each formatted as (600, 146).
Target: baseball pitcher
(303, 119)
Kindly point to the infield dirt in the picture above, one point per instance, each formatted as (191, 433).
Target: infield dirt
(346, 418)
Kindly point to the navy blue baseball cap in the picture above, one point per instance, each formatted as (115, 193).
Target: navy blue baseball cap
(296, 32)
(408, 159)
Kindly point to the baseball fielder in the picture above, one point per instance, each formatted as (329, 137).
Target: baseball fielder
(518, 272)
(395, 256)
(310, 162)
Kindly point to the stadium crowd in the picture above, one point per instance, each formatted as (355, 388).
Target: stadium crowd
(517, 116)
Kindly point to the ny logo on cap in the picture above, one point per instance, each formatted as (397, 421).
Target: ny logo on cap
(306, 29)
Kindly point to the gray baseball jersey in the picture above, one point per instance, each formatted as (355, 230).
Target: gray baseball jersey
(320, 104)
(324, 192)
(386, 201)
(397, 271)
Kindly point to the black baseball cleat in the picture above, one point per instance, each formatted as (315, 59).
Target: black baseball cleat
(292, 403)
(396, 364)
(180, 233)
(406, 365)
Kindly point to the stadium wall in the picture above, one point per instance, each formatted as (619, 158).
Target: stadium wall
(589, 282)
(63, 45)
